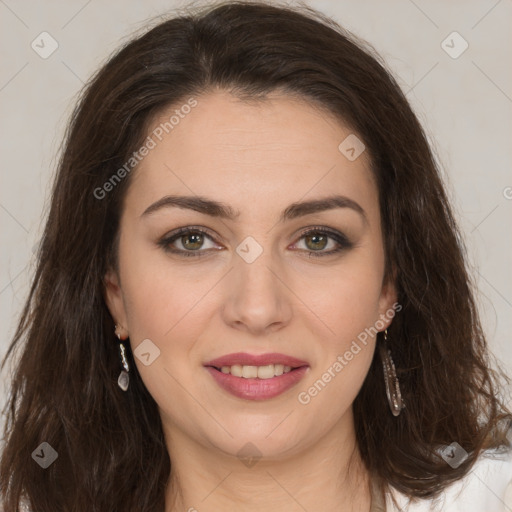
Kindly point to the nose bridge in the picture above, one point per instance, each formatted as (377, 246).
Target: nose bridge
(257, 298)
(252, 270)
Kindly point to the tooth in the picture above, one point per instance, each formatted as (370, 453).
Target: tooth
(236, 370)
(249, 372)
(278, 369)
(266, 372)
(252, 372)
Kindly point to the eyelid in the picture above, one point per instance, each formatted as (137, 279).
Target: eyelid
(334, 233)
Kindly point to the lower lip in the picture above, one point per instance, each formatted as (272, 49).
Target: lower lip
(257, 389)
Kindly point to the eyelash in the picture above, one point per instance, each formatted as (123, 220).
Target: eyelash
(340, 239)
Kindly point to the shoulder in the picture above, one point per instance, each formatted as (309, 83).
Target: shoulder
(488, 486)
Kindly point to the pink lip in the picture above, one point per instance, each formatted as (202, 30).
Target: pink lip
(257, 389)
(245, 359)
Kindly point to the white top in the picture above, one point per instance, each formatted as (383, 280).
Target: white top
(486, 488)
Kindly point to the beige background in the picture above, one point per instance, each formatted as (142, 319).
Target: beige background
(464, 104)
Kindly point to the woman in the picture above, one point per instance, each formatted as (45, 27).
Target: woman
(251, 292)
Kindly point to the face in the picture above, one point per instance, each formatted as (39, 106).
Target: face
(276, 279)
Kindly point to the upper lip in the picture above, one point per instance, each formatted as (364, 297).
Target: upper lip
(245, 359)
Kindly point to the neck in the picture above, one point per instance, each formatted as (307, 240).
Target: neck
(328, 475)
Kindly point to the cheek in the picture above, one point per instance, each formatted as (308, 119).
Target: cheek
(159, 292)
(164, 303)
(167, 309)
(345, 355)
(349, 299)
(349, 307)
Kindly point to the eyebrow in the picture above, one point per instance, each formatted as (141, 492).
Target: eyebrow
(218, 209)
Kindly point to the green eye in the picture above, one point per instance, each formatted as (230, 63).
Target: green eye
(317, 239)
(193, 239)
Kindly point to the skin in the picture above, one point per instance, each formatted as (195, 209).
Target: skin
(257, 157)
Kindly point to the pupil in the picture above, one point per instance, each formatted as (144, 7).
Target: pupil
(195, 244)
(317, 239)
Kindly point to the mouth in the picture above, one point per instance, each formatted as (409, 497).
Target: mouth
(256, 377)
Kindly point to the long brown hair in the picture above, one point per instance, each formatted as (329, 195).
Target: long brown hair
(110, 444)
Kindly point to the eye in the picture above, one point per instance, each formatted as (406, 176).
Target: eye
(190, 242)
(187, 241)
(318, 238)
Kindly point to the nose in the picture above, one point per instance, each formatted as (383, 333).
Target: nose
(258, 297)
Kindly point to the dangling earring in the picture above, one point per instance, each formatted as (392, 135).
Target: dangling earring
(396, 404)
(123, 380)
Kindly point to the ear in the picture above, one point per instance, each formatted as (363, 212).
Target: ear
(388, 301)
(115, 302)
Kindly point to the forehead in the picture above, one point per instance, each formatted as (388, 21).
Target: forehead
(270, 151)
